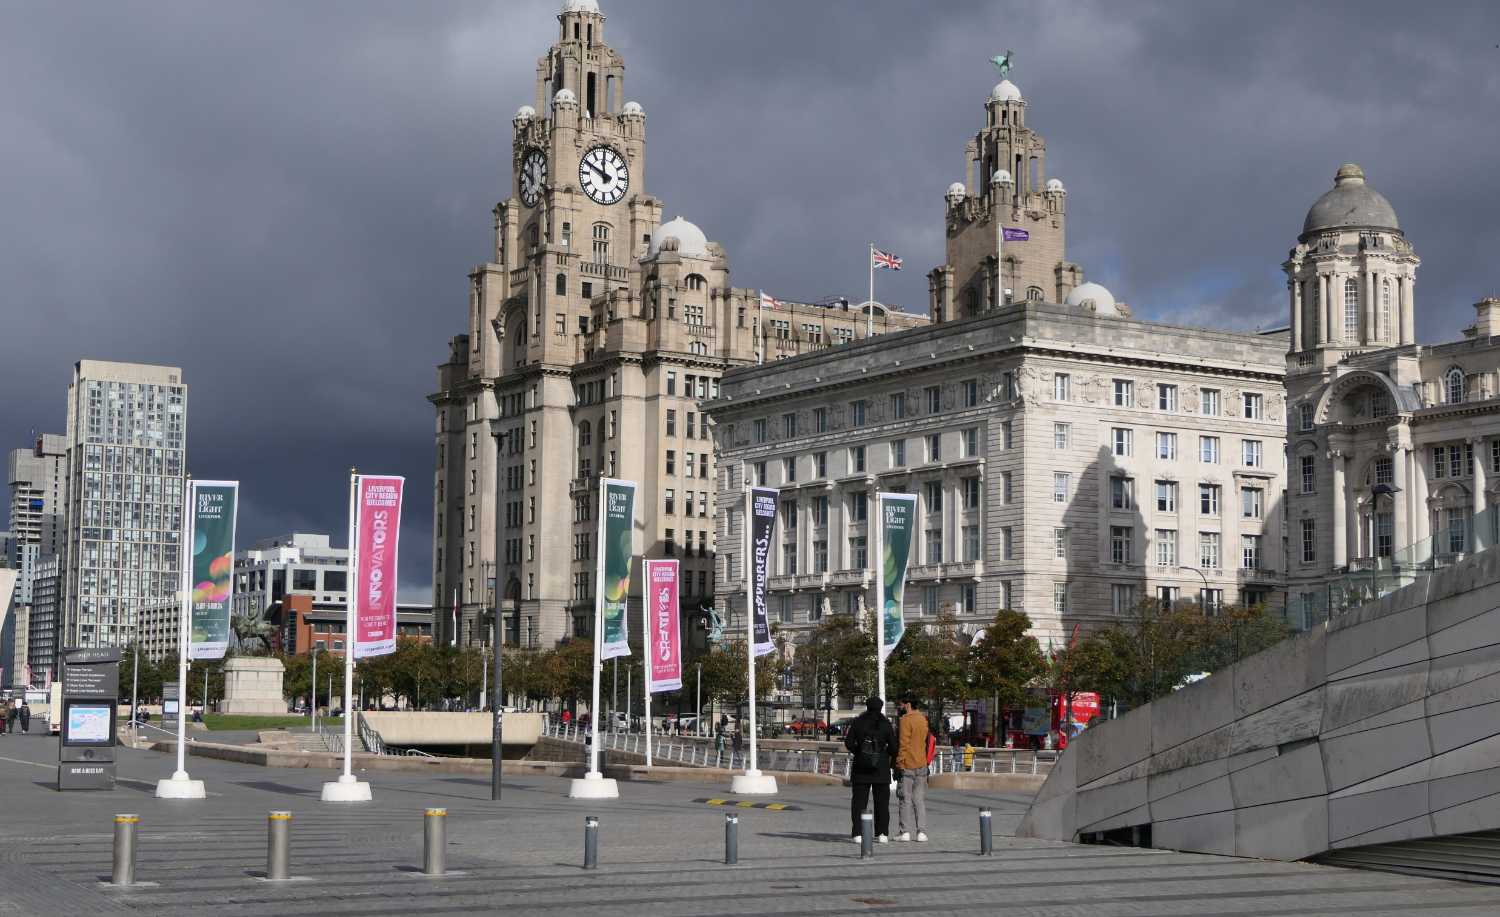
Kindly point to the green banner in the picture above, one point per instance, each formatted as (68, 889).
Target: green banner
(616, 555)
(213, 507)
(898, 519)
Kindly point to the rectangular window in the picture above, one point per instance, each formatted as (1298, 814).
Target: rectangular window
(1254, 406)
(1252, 502)
(934, 546)
(1166, 397)
(789, 425)
(857, 458)
(1166, 496)
(1208, 450)
(934, 396)
(760, 474)
(1250, 552)
(671, 382)
(1210, 405)
(1121, 598)
(671, 461)
(968, 599)
(789, 559)
(670, 507)
(1252, 452)
(1166, 446)
(761, 431)
(784, 609)
(970, 389)
(1124, 393)
(1006, 429)
(1123, 440)
(1062, 434)
(1309, 472)
(857, 413)
(669, 544)
(671, 423)
(820, 557)
(898, 406)
(1309, 543)
(971, 543)
(857, 556)
(1208, 499)
(1008, 384)
(1060, 543)
(934, 447)
(1208, 550)
(971, 490)
(1060, 598)
(1062, 387)
(898, 453)
(820, 510)
(703, 504)
(971, 442)
(1121, 493)
(1120, 538)
(933, 491)
(1304, 417)
(1007, 543)
(1007, 594)
(820, 464)
(789, 516)
(859, 507)
(788, 468)
(1495, 456)
(1212, 600)
(1384, 471)
(1166, 547)
(820, 420)
(1061, 485)
(1166, 595)
(692, 424)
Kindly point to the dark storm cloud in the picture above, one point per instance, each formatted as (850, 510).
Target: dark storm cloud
(285, 198)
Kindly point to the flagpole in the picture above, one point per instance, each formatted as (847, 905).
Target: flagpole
(349, 788)
(870, 303)
(752, 781)
(646, 612)
(180, 785)
(593, 772)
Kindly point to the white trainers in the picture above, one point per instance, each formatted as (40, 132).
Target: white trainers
(903, 836)
(857, 839)
(882, 839)
(921, 837)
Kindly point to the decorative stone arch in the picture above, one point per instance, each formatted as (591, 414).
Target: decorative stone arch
(1345, 384)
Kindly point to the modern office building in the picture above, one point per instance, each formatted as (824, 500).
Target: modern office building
(37, 477)
(1394, 445)
(44, 622)
(1069, 459)
(594, 329)
(126, 454)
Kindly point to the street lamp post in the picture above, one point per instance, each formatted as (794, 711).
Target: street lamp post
(496, 716)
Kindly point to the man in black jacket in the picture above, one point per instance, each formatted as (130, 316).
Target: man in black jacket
(872, 742)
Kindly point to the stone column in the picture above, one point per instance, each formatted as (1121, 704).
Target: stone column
(1371, 329)
(1482, 527)
(1296, 315)
(1401, 519)
(1408, 312)
(1340, 511)
(1324, 326)
(1422, 515)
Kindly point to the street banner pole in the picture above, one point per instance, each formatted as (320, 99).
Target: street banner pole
(348, 788)
(896, 516)
(662, 656)
(616, 553)
(760, 523)
(180, 785)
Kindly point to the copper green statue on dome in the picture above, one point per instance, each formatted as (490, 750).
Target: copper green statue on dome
(1003, 62)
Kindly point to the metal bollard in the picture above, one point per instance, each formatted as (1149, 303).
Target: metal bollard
(866, 835)
(124, 866)
(435, 846)
(278, 845)
(731, 839)
(591, 842)
(986, 834)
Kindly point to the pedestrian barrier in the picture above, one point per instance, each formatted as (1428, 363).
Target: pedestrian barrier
(866, 835)
(731, 839)
(123, 872)
(278, 846)
(591, 842)
(986, 834)
(434, 842)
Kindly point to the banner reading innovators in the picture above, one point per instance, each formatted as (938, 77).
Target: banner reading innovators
(616, 552)
(898, 516)
(214, 506)
(377, 535)
(762, 516)
(663, 630)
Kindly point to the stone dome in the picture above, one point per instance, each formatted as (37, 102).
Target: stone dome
(1001, 177)
(580, 6)
(565, 97)
(633, 108)
(1005, 91)
(686, 238)
(956, 191)
(1350, 203)
(1056, 185)
(525, 113)
(1095, 298)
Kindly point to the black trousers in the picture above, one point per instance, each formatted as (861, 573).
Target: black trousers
(882, 806)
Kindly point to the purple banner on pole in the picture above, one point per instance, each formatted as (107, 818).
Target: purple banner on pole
(1016, 235)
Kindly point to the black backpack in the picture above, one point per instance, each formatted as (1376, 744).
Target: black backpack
(867, 758)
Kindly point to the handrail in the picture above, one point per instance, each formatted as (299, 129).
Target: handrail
(370, 738)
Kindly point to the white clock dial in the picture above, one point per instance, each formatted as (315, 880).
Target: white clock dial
(603, 175)
(533, 176)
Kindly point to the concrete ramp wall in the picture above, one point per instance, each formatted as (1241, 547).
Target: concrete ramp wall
(403, 728)
(1383, 725)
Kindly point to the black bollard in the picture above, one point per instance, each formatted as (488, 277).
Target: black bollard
(986, 834)
(866, 835)
(731, 839)
(591, 842)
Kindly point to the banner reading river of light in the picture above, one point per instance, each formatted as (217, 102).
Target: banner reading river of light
(214, 506)
(897, 515)
(379, 536)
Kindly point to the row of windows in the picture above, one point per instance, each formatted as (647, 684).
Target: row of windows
(859, 411)
(1210, 402)
(856, 457)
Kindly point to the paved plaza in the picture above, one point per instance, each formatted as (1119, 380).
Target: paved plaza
(661, 853)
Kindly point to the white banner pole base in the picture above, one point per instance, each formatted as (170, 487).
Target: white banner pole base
(594, 785)
(348, 788)
(180, 786)
(753, 783)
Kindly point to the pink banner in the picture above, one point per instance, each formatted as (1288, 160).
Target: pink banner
(663, 627)
(374, 583)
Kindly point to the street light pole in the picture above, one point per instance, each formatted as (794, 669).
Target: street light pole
(497, 713)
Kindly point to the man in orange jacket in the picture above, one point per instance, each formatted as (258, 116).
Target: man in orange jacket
(912, 750)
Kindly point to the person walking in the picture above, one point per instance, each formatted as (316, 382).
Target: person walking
(12, 714)
(25, 717)
(914, 744)
(872, 742)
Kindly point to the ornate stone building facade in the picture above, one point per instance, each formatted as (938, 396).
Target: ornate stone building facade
(1394, 447)
(593, 331)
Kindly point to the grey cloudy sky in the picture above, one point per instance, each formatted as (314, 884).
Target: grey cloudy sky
(284, 198)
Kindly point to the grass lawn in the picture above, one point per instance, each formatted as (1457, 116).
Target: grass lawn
(219, 721)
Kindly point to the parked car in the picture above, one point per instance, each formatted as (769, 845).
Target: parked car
(807, 726)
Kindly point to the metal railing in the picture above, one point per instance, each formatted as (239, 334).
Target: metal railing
(370, 738)
(686, 751)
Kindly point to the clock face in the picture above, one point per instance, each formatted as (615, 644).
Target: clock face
(603, 175)
(533, 175)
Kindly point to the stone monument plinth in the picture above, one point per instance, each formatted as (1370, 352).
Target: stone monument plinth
(252, 684)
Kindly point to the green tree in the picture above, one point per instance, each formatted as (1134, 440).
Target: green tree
(1007, 659)
(1237, 632)
(725, 675)
(148, 688)
(837, 657)
(933, 662)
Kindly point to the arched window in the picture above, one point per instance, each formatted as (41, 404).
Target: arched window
(532, 236)
(562, 285)
(696, 282)
(1385, 312)
(601, 243)
(1351, 309)
(1453, 386)
(1034, 294)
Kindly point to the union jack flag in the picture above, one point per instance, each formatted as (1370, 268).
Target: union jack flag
(767, 301)
(885, 260)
